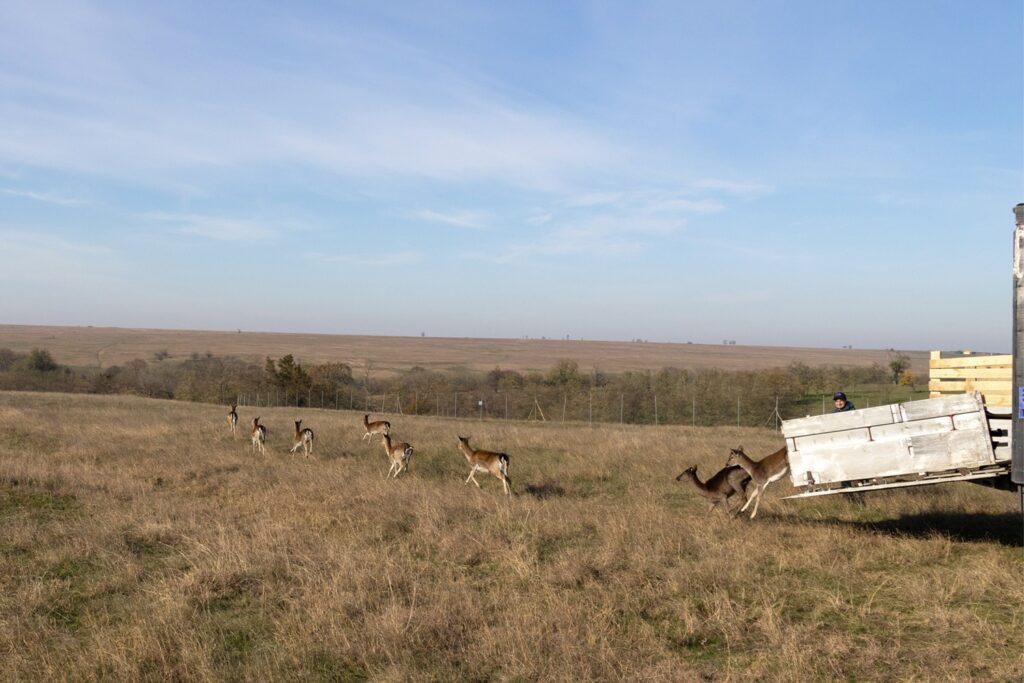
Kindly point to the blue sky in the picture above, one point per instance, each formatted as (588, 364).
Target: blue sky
(813, 173)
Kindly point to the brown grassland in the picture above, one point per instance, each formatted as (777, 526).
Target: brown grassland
(140, 540)
(105, 346)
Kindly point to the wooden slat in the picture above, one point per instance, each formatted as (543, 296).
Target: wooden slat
(937, 407)
(971, 362)
(837, 422)
(984, 386)
(972, 373)
(907, 429)
(938, 452)
(844, 438)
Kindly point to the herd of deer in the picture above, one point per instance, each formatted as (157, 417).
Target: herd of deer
(399, 453)
(741, 475)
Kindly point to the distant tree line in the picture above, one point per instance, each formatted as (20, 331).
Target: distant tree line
(706, 396)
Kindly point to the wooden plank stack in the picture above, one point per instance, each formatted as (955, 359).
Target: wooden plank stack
(992, 376)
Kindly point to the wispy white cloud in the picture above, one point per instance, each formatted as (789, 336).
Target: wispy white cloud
(741, 189)
(400, 258)
(476, 220)
(46, 197)
(217, 228)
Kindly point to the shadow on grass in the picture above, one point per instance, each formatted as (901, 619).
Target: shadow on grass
(1004, 528)
(545, 490)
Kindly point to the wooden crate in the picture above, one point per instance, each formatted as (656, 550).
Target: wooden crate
(907, 440)
(992, 376)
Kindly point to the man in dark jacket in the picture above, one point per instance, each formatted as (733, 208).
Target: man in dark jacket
(842, 404)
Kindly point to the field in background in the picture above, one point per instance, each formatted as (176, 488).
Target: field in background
(141, 540)
(105, 346)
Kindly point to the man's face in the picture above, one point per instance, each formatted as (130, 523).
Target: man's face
(840, 403)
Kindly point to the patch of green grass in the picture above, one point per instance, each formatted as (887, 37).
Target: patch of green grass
(325, 666)
(21, 439)
(38, 503)
(144, 544)
(69, 568)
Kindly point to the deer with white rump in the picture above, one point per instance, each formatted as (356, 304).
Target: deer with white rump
(233, 419)
(303, 439)
(762, 472)
(259, 436)
(486, 461)
(377, 427)
(399, 453)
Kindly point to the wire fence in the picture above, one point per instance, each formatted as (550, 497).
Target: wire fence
(583, 406)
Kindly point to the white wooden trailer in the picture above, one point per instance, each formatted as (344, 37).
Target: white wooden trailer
(952, 438)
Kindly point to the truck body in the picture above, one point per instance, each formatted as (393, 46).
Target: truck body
(951, 438)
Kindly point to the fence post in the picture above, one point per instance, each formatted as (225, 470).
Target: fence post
(590, 407)
(823, 404)
(564, 401)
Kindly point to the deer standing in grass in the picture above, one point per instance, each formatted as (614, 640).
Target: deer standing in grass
(486, 461)
(233, 419)
(762, 472)
(399, 453)
(727, 482)
(378, 427)
(303, 439)
(259, 436)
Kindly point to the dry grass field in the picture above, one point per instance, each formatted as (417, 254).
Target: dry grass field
(105, 346)
(141, 541)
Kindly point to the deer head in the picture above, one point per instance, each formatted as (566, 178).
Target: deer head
(689, 471)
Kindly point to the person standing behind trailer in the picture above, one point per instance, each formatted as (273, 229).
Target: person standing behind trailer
(842, 403)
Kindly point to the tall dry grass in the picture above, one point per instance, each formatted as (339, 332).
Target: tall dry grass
(139, 540)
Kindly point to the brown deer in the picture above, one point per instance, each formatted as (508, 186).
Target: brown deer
(486, 461)
(233, 419)
(378, 427)
(720, 487)
(303, 439)
(762, 472)
(259, 436)
(399, 453)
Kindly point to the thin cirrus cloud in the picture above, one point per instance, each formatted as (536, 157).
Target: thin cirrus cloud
(218, 228)
(399, 258)
(46, 197)
(476, 220)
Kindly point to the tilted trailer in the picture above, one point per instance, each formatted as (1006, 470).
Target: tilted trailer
(936, 440)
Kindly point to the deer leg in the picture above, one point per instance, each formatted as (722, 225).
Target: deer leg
(750, 498)
(757, 503)
(472, 476)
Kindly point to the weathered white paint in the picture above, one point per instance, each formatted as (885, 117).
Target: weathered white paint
(910, 439)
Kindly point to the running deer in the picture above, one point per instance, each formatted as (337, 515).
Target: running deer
(486, 461)
(303, 439)
(259, 436)
(233, 419)
(378, 427)
(399, 454)
(720, 487)
(762, 472)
